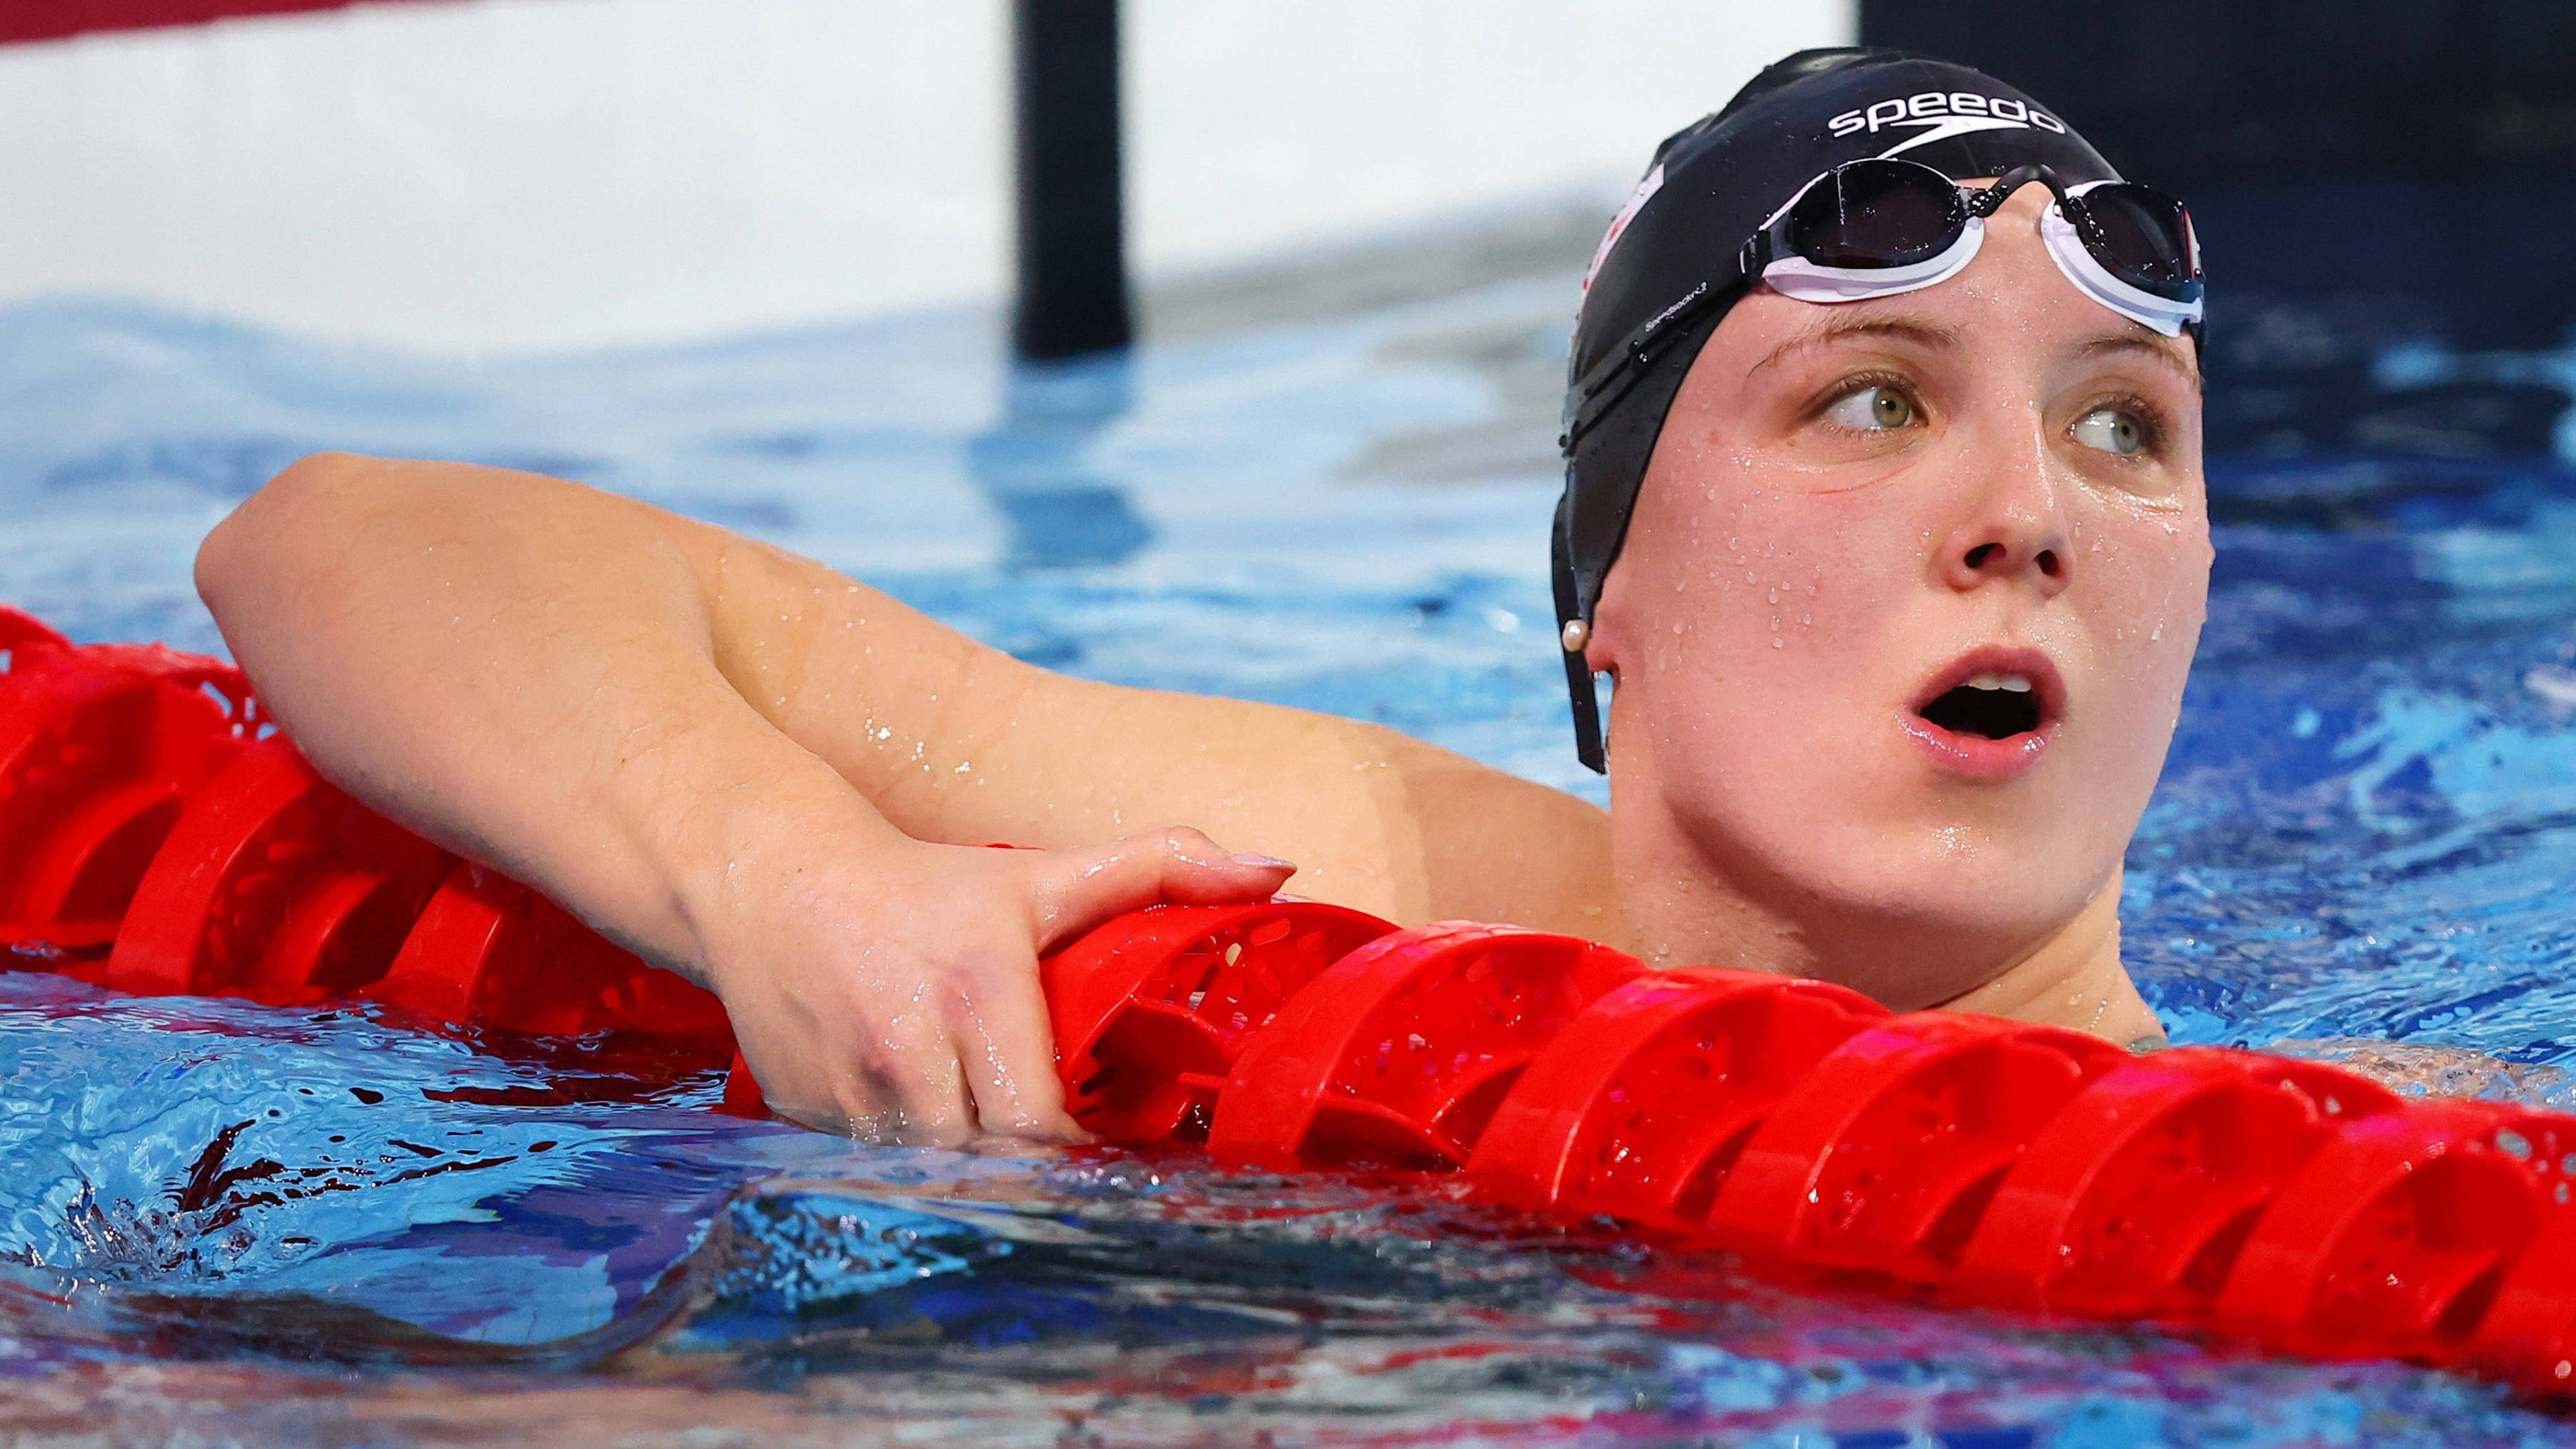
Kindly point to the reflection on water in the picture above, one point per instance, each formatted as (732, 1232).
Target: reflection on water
(235, 1225)
(1110, 1298)
(1035, 465)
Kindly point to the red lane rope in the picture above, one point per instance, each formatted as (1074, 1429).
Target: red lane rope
(156, 837)
(25, 20)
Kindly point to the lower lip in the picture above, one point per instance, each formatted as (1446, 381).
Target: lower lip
(1974, 756)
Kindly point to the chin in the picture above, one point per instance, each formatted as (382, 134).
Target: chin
(1915, 916)
(1884, 872)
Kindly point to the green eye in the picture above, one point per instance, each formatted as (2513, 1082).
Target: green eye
(1871, 409)
(2113, 430)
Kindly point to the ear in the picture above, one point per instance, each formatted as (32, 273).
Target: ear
(1608, 643)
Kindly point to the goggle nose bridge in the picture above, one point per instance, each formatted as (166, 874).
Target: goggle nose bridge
(1986, 201)
(2069, 227)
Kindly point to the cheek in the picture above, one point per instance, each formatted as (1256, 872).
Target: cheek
(1740, 576)
(2149, 597)
(1754, 640)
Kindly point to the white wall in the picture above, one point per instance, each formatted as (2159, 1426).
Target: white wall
(1258, 123)
(505, 175)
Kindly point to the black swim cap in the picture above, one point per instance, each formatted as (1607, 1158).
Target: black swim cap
(1671, 265)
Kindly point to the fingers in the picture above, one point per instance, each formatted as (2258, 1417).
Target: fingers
(916, 1098)
(899, 1085)
(931, 1040)
(1006, 1047)
(1077, 890)
(963, 1051)
(1004, 1034)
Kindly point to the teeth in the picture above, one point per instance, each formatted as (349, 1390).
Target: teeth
(2014, 683)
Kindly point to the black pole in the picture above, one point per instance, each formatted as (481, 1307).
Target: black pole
(1072, 232)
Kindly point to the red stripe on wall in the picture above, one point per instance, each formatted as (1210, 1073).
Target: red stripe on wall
(22, 20)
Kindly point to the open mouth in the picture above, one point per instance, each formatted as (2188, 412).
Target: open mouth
(1991, 706)
(1991, 714)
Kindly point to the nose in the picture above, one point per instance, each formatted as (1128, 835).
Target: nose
(2013, 532)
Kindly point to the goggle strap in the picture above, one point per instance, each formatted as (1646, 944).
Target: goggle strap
(1599, 390)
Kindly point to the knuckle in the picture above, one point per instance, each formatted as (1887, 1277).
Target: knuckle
(894, 1054)
(996, 971)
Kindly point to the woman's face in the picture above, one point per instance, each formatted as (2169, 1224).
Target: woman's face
(1902, 620)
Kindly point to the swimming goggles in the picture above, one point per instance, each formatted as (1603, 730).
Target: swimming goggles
(1880, 226)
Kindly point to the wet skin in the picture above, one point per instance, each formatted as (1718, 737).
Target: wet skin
(773, 779)
(1994, 473)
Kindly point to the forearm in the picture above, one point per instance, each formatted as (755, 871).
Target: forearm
(954, 741)
(519, 668)
(705, 747)
(599, 697)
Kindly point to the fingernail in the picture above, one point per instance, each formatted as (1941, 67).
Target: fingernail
(1262, 862)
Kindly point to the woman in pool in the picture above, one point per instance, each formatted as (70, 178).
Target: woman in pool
(1901, 484)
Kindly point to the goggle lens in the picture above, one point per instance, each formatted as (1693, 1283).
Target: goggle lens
(2139, 235)
(1876, 214)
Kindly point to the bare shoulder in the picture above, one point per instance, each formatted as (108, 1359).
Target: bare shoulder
(1496, 847)
(1375, 819)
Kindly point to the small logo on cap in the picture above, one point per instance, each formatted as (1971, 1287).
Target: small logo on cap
(1637, 199)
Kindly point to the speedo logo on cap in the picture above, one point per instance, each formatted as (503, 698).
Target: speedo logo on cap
(1939, 115)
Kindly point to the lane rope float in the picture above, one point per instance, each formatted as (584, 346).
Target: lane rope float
(158, 836)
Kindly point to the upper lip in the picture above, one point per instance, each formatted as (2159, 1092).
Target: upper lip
(2045, 681)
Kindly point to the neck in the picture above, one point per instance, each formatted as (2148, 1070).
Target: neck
(2073, 978)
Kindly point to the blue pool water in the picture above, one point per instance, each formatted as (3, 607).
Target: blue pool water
(224, 1224)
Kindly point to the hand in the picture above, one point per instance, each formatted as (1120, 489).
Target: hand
(899, 1000)
(2413, 1069)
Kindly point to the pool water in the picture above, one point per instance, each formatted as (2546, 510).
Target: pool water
(223, 1224)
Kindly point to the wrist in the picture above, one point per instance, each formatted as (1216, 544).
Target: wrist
(726, 839)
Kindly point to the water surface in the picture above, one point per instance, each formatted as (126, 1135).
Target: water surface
(235, 1225)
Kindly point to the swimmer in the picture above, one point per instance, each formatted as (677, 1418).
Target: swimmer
(1883, 517)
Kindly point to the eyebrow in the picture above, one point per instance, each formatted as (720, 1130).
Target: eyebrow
(2148, 343)
(1937, 338)
(1929, 335)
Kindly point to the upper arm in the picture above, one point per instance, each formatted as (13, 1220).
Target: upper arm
(955, 741)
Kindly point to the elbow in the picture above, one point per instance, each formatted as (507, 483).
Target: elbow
(261, 538)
